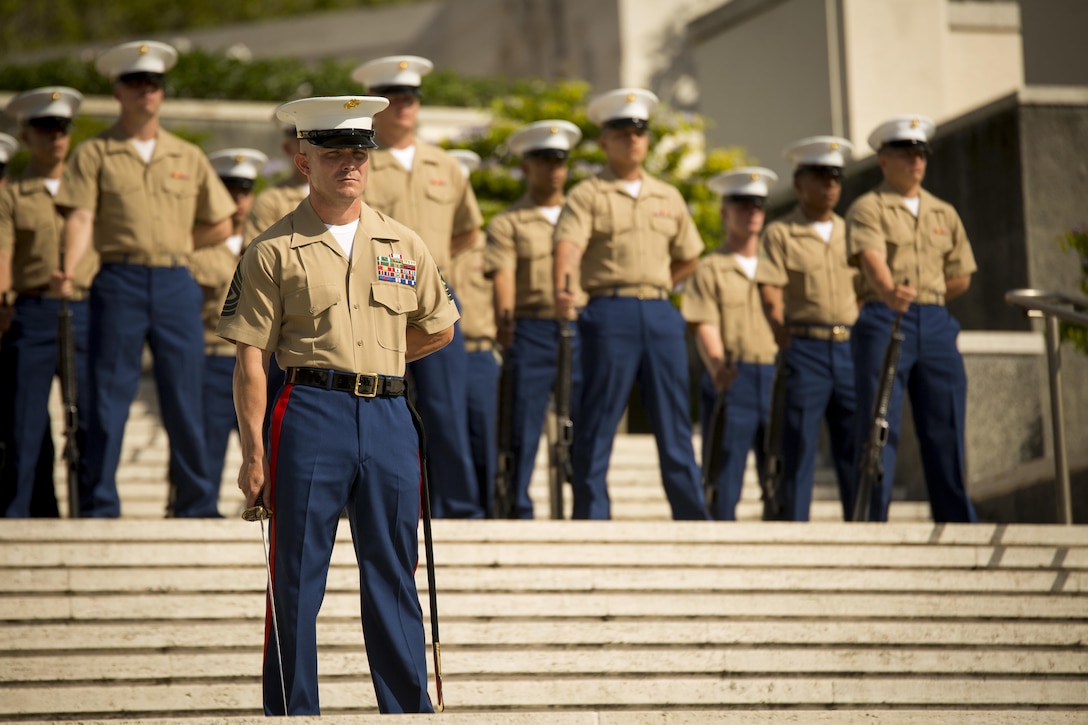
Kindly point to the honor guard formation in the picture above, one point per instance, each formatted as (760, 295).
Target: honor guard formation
(361, 332)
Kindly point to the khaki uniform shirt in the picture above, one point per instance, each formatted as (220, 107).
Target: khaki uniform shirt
(924, 251)
(627, 241)
(720, 293)
(434, 199)
(522, 239)
(144, 208)
(30, 227)
(476, 293)
(817, 281)
(296, 293)
(271, 205)
(213, 268)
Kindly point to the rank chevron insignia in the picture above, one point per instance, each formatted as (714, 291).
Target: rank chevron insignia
(230, 305)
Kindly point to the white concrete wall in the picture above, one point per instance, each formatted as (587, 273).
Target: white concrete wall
(765, 81)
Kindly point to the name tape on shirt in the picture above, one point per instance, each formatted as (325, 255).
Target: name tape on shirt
(395, 268)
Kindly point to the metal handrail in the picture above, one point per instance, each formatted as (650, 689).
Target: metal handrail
(1054, 306)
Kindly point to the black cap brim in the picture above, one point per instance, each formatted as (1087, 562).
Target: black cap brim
(908, 143)
(142, 77)
(821, 170)
(50, 123)
(618, 123)
(238, 182)
(550, 154)
(759, 201)
(340, 138)
(395, 90)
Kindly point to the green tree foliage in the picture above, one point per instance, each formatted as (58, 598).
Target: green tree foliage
(40, 24)
(676, 155)
(1076, 240)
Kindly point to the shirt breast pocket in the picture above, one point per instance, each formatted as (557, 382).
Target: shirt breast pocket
(804, 273)
(181, 188)
(666, 226)
(310, 311)
(390, 303)
(441, 193)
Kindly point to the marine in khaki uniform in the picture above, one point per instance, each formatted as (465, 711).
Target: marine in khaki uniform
(30, 229)
(344, 296)
(914, 256)
(213, 268)
(149, 199)
(724, 310)
(422, 186)
(634, 239)
(520, 258)
(277, 201)
(809, 297)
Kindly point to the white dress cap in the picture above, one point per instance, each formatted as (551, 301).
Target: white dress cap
(623, 105)
(907, 130)
(334, 121)
(240, 163)
(830, 151)
(393, 71)
(49, 102)
(467, 158)
(746, 181)
(553, 135)
(8, 147)
(139, 56)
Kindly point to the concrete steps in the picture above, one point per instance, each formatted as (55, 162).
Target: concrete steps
(640, 621)
(138, 619)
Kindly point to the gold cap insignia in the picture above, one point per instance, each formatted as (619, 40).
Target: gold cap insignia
(754, 176)
(143, 50)
(833, 146)
(239, 158)
(350, 104)
(914, 122)
(403, 65)
(55, 96)
(631, 97)
(553, 129)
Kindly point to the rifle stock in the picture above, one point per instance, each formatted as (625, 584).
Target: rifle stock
(505, 496)
(67, 364)
(561, 468)
(772, 443)
(871, 468)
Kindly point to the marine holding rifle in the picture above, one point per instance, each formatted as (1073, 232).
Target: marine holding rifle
(914, 256)
(30, 249)
(809, 297)
(519, 257)
(723, 309)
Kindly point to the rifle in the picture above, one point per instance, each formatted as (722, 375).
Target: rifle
(772, 442)
(562, 470)
(712, 453)
(505, 495)
(871, 469)
(67, 364)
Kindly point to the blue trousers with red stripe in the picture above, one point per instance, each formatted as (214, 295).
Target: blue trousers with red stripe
(29, 364)
(931, 369)
(623, 340)
(329, 450)
(534, 355)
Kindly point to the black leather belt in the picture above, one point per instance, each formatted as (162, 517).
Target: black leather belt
(830, 333)
(363, 385)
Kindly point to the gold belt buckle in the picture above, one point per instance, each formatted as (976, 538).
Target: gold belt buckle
(838, 333)
(359, 378)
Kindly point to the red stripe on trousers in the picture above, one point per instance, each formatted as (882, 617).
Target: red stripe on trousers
(270, 501)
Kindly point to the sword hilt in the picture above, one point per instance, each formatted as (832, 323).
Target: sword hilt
(258, 511)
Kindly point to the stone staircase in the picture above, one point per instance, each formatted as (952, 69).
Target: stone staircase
(640, 620)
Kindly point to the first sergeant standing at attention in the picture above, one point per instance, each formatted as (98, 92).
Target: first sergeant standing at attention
(635, 240)
(344, 296)
(148, 198)
(914, 256)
